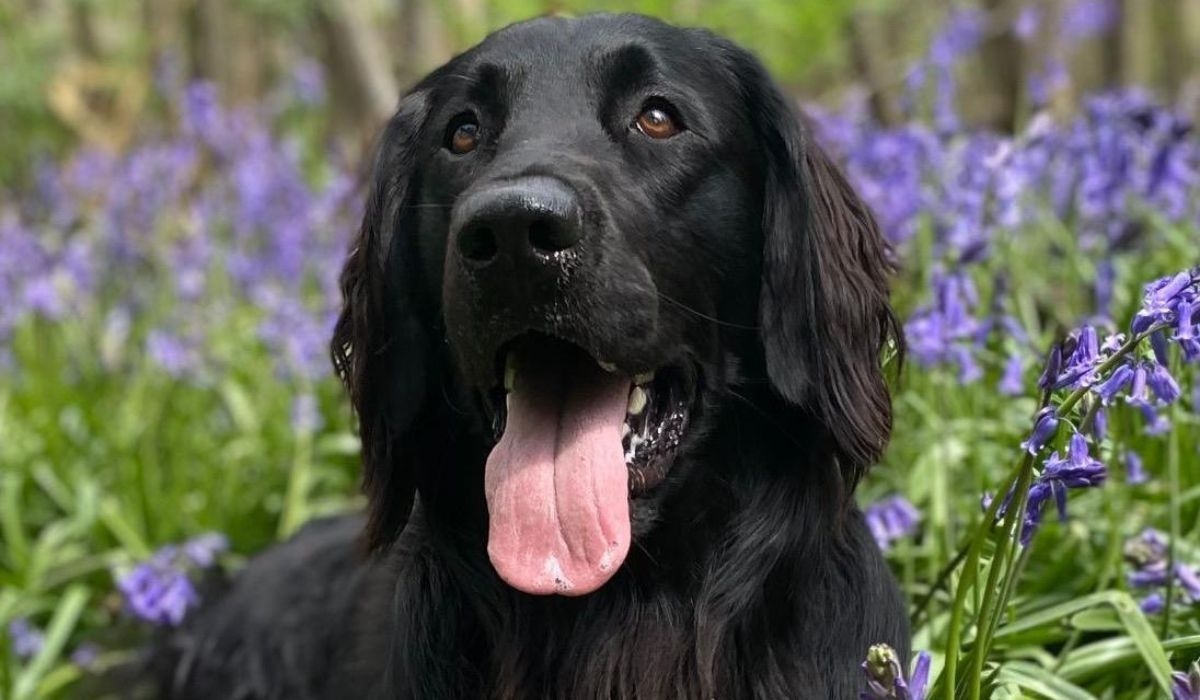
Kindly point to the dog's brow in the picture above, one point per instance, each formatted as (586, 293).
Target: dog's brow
(488, 85)
(624, 70)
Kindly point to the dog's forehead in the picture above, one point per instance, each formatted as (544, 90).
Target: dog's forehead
(583, 56)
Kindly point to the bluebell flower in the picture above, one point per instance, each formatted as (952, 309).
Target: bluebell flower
(1084, 19)
(203, 549)
(1012, 380)
(1135, 472)
(1077, 469)
(1045, 425)
(26, 639)
(1052, 368)
(1099, 429)
(1185, 685)
(85, 656)
(891, 519)
(1149, 558)
(960, 34)
(308, 82)
(1026, 23)
(1188, 581)
(170, 352)
(1163, 299)
(1153, 421)
(1153, 603)
(886, 680)
(158, 591)
(1117, 382)
(1162, 384)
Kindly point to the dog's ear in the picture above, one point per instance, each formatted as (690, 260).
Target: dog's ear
(381, 345)
(823, 307)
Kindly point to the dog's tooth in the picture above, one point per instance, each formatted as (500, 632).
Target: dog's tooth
(510, 372)
(607, 366)
(625, 430)
(637, 400)
(643, 378)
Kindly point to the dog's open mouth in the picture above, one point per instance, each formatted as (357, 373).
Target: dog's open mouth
(576, 438)
(656, 413)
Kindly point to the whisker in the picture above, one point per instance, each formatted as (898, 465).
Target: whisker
(706, 317)
(767, 418)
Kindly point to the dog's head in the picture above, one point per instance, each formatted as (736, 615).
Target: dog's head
(584, 236)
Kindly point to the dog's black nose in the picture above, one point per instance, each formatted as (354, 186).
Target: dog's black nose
(533, 216)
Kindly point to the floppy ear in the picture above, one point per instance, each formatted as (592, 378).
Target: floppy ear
(381, 348)
(823, 307)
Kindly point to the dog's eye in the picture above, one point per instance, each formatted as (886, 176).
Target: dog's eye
(463, 135)
(657, 122)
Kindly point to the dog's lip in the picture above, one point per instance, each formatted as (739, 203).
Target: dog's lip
(633, 370)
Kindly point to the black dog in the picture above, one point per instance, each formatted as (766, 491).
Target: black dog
(612, 328)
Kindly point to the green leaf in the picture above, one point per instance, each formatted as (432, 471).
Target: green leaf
(1130, 616)
(1039, 680)
(66, 616)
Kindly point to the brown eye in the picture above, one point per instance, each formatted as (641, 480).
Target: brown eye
(464, 138)
(657, 123)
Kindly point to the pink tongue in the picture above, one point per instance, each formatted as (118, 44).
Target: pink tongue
(556, 484)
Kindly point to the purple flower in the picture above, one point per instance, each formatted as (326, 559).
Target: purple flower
(1165, 298)
(1162, 384)
(886, 680)
(1084, 19)
(1117, 382)
(1149, 556)
(891, 519)
(959, 35)
(1079, 369)
(1135, 472)
(27, 640)
(1154, 422)
(158, 591)
(1053, 367)
(203, 549)
(1185, 685)
(1153, 603)
(1012, 380)
(1059, 474)
(1186, 576)
(308, 82)
(1027, 21)
(1045, 425)
(85, 656)
(171, 353)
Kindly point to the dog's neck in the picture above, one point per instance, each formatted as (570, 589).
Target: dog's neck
(734, 561)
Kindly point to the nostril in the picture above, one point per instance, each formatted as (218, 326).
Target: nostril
(551, 236)
(477, 244)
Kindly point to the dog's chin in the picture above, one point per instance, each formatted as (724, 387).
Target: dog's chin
(582, 446)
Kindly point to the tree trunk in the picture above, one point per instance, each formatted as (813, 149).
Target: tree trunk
(1001, 56)
(870, 52)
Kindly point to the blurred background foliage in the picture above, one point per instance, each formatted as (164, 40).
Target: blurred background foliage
(83, 70)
